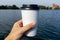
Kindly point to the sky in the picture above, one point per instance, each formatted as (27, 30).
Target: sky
(20, 2)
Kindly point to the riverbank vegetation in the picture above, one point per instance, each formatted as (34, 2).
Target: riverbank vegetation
(48, 8)
(15, 7)
(9, 7)
(45, 7)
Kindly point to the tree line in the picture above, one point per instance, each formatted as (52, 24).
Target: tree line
(48, 8)
(15, 7)
(9, 7)
(45, 7)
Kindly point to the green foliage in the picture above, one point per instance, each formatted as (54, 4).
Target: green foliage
(8, 7)
(48, 8)
(57, 8)
(15, 7)
(42, 7)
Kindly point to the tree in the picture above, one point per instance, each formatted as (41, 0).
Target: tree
(14, 7)
(8, 7)
(43, 7)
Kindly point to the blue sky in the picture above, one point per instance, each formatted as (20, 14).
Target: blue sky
(20, 2)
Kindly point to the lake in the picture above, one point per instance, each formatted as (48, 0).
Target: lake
(48, 28)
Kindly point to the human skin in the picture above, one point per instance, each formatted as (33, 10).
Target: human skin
(18, 30)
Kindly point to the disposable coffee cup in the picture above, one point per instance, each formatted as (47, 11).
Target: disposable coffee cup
(30, 14)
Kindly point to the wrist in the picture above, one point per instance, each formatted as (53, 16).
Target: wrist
(10, 37)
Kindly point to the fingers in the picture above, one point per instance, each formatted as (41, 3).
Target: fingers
(27, 27)
(22, 29)
(19, 23)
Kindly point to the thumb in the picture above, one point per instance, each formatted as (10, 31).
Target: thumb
(27, 27)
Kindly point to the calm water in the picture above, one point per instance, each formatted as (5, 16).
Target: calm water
(48, 29)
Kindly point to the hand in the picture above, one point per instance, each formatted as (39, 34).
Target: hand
(18, 30)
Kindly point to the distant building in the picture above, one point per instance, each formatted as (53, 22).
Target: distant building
(54, 6)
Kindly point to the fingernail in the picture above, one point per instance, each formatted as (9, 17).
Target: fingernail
(33, 24)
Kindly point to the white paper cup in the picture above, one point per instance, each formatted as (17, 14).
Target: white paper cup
(30, 14)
